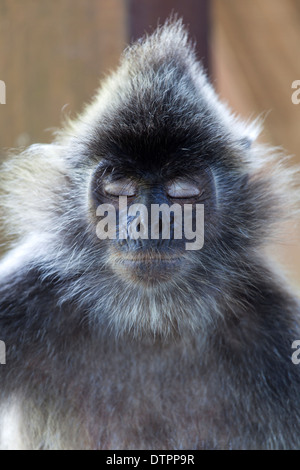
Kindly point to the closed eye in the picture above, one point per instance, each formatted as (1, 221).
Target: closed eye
(121, 188)
(182, 190)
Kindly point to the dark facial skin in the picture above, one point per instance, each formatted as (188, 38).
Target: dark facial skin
(151, 260)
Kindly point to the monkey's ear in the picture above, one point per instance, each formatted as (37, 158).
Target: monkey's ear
(246, 142)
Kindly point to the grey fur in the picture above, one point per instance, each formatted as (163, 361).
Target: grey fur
(97, 361)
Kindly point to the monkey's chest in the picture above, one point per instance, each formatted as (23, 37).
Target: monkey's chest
(152, 414)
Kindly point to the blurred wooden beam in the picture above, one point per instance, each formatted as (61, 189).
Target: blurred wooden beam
(145, 15)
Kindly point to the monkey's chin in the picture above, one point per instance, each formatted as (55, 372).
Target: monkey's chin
(149, 272)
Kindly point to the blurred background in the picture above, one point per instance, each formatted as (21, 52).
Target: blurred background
(53, 53)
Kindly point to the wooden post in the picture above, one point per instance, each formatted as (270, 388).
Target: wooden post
(146, 14)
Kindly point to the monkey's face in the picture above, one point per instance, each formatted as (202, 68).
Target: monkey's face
(158, 142)
(155, 149)
(151, 223)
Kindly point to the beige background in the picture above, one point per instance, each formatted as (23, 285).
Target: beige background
(256, 57)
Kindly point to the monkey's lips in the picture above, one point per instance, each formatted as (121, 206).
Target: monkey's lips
(148, 269)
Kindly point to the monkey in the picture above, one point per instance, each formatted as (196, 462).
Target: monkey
(139, 343)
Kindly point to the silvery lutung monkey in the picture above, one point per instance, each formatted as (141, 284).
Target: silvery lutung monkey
(139, 343)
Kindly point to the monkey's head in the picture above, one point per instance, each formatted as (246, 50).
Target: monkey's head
(156, 134)
(157, 139)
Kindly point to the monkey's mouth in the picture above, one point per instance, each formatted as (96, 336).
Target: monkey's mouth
(147, 268)
(152, 263)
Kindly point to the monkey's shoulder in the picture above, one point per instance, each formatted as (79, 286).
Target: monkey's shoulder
(24, 295)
